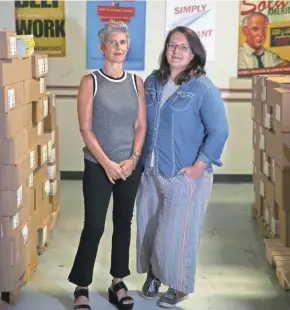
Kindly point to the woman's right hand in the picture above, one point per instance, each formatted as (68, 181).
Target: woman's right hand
(113, 171)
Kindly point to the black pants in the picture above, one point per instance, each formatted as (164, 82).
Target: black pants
(97, 190)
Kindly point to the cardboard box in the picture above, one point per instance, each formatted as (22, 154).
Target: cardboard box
(13, 176)
(278, 148)
(280, 99)
(9, 68)
(11, 97)
(282, 186)
(35, 134)
(284, 226)
(39, 65)
(12, 150)
(51, 103)
(11, 123)
(39, 110)
(54, 194)
(257, 111)
(40, 175)
(276, 82)
(267, 118)
(12, 201)
(42, 153)
(268, 166)
(34, 89)
(8, 45)
(33, 158)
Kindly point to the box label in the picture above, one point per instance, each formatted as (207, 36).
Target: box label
(39, 129)
(41, 86)
(30, 180)
(40, 66)
(278, 113)
(15, 221)
(45, 108)
(11, 98)
(25, 233)
(12, 46)
(32, 159)
(45, 65)
(19, 194)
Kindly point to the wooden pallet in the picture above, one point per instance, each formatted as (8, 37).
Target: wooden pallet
(263, 226)
(12, 298)
(278, 257)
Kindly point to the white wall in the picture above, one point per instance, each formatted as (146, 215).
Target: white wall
(65, 74)
(7, 15)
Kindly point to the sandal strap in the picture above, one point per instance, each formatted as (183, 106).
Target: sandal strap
(81, 292)
(126, 298)
(82, 307)
(119, 286)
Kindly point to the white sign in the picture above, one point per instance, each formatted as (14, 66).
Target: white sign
(200, 16)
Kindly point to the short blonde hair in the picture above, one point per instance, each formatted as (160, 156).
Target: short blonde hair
(110, 27)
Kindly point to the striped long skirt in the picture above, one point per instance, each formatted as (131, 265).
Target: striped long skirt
(170, 218)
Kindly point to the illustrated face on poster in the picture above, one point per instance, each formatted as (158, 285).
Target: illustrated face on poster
(264, 38)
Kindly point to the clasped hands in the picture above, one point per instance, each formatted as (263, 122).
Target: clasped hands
(116, 171)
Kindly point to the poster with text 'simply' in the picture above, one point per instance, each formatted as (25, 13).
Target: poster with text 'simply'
(45, 20)
(264, 38)
(133, 13)
(200, 16)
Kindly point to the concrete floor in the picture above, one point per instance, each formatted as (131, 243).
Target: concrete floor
(232, 270)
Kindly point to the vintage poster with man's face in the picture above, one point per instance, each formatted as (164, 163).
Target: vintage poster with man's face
(264, 38)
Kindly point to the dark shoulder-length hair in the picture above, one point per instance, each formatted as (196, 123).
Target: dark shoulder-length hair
(196, 65)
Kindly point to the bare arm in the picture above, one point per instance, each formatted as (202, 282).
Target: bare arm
(140, 123)
(85, 114)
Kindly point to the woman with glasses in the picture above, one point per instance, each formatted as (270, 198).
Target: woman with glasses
(186, 132)
(112, 121)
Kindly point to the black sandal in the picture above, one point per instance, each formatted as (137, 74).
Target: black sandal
(81, 292)
(113, 298)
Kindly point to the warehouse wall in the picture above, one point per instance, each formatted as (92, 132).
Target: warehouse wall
(65, 74)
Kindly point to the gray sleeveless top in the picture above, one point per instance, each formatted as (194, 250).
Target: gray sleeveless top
(115, 107)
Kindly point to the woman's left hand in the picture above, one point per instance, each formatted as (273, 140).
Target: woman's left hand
(127, 167)
(194, 171)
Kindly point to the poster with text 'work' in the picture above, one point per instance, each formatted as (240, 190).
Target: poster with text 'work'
(45, 20)
(264, 38)
(200, 16)
(133, 13)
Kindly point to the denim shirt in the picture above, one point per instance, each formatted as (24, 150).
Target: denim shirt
(191, 124)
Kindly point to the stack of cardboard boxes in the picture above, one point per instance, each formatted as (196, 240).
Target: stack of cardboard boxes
(29, 163)
(271, 153)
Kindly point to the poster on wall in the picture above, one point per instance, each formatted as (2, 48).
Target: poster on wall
(133, 13)
(200, 16)
(45, 20)
(264, 38)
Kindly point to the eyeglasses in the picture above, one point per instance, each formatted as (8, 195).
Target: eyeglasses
(182, 47)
